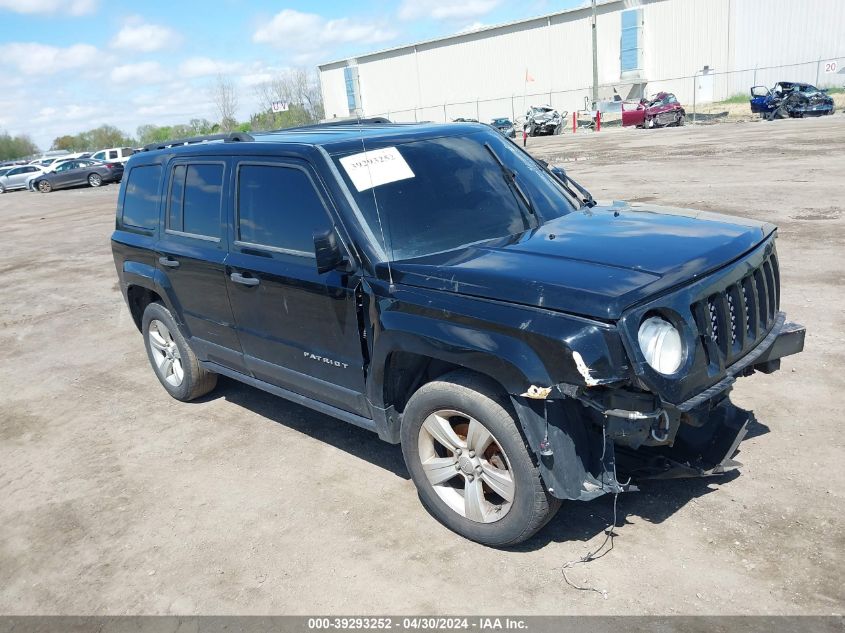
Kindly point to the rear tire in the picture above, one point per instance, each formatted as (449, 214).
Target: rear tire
(174, 363)
(44, 186)
(468, 490)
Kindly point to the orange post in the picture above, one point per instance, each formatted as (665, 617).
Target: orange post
(598, 120)
(574, 122)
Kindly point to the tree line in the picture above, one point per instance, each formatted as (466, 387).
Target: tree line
(299, 89)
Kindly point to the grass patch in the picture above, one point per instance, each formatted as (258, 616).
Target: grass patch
(739, 97)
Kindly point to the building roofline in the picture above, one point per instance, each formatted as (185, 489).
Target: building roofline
(486, 30)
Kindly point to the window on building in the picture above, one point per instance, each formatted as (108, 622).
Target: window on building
(353, 96)
(631, 46)
(279, 207)
(140, 205)
(195, 199)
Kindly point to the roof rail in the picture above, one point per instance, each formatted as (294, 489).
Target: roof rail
(335, 122)
(228, 137)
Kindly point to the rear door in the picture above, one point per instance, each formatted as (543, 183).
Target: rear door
(192, 253)
(299, 329)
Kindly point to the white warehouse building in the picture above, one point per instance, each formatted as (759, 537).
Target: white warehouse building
(702, 50)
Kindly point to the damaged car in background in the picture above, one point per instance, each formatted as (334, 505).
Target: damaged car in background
(790, 100)
(439, 286)
(543, 120)
(660, 110)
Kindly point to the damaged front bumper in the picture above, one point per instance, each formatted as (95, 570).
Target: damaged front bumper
(589, 439)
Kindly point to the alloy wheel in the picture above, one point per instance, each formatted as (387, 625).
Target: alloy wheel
(165, 353)
(466, 466)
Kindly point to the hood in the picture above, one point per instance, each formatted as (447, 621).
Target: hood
(594, 262)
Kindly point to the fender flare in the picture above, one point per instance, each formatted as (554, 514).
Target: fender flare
(508, 361)
(151, 278)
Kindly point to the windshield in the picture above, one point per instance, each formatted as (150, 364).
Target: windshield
(451, 191)
(502, 122)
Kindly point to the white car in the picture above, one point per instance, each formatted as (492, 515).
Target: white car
(114, 154)
(16, 177)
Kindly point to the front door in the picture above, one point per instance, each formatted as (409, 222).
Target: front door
(192, 254)
(299, 329)
(68, 174)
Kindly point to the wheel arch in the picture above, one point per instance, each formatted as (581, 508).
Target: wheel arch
(401, 361)
(143, 284)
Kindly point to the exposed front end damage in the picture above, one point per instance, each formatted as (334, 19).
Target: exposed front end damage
(606, 432)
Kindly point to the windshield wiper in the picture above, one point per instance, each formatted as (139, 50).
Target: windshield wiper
(563, 178)
(510, 178)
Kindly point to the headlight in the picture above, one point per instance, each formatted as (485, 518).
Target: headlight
(661, 345)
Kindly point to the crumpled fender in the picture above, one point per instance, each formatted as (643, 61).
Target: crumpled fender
(517, 346)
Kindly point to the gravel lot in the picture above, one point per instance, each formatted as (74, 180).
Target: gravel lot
(117, 499)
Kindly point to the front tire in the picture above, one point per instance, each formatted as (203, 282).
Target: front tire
(175, 364)
(95, 180)
(470, 464)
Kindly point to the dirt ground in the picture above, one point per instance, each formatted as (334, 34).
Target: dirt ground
(117, 499)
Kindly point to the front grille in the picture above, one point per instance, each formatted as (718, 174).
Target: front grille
(732, 321)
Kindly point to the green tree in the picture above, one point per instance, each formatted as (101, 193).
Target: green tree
(15, 147)
(66, 142)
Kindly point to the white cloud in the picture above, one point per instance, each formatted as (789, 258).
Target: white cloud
(471, 28)
(48, 7)
(137, 35)
(446, 11)
(141, 72)
(206, 67)
(307, 33)
(31, 57)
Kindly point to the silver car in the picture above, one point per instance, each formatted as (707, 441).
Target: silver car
(16, 177)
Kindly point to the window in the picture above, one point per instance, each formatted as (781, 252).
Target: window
(127, 151)
(196, 192)
(279, 207)
(353, 96)
(140, 205)
(472, 200)
(177, 187)
(113, 154)
(99, 155)
(631, 46)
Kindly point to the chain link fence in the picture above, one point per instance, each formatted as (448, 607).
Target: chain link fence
(699, 92)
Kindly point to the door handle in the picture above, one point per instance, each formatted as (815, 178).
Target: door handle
(167, 261)
(245, 281)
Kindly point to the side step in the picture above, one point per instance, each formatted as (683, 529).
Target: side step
(305, 401)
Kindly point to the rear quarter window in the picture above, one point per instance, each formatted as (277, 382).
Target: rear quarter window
(140, 203)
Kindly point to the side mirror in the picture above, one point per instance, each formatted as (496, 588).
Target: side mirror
(327, 251)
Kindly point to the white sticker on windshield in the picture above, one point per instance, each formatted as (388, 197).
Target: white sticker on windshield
(378, 167)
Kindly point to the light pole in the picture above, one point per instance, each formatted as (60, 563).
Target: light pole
(595, 61)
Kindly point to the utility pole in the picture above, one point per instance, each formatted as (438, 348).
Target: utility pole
(595, 61)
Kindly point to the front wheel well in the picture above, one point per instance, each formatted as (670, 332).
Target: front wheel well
(139, 298)
(406, 372)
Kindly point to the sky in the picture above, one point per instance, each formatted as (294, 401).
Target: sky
(72, 65)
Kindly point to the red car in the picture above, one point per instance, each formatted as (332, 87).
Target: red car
(661, 110)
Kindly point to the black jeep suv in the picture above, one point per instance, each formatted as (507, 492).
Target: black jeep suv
(437, 285)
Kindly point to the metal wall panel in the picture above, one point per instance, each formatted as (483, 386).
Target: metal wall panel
(482, 74)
